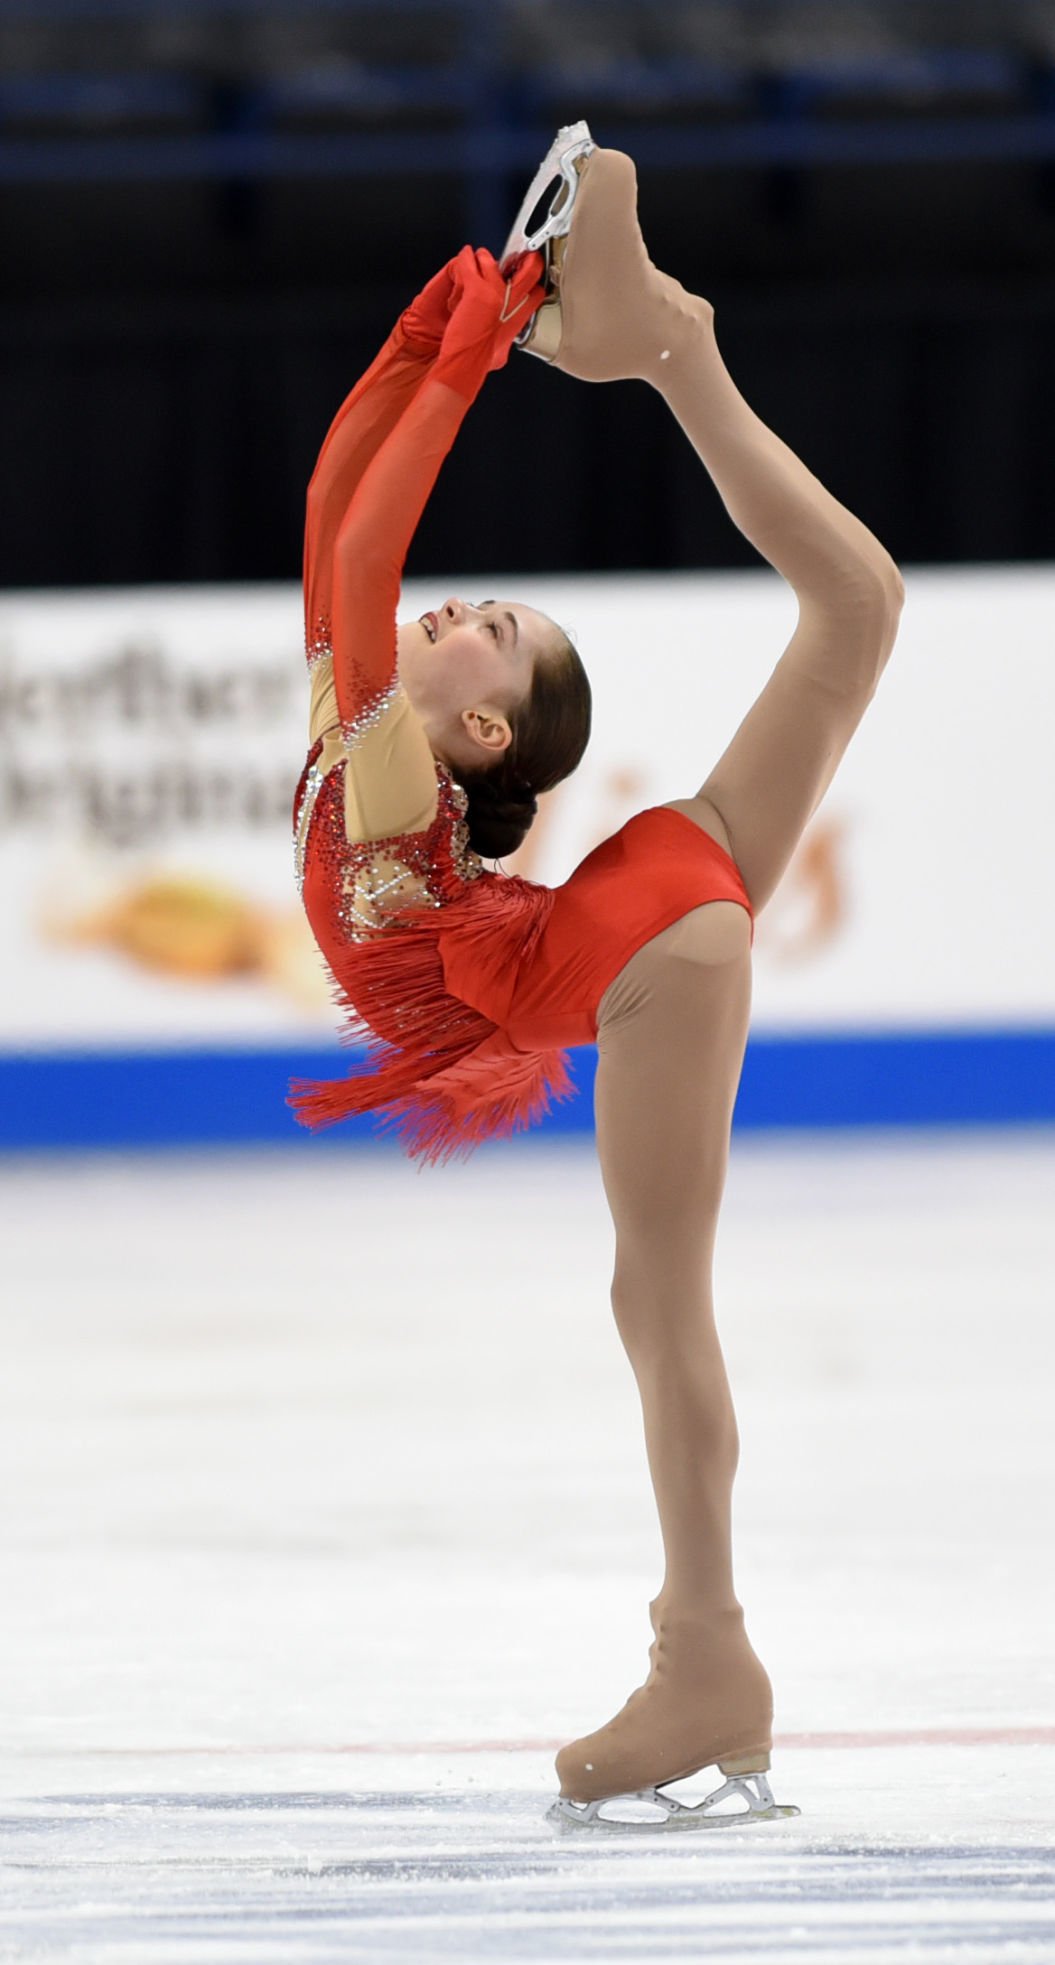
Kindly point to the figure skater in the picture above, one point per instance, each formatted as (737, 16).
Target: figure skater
(430, 743)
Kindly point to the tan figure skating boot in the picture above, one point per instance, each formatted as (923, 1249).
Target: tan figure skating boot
(610, 313)
(707, 1702)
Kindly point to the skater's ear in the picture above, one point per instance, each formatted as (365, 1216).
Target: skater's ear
(488, 729)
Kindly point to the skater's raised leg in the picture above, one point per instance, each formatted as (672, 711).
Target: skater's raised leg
(622, 317)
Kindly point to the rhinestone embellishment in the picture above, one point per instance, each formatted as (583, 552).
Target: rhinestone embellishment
(365, 878)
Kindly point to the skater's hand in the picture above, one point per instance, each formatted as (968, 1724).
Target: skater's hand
(425, 321)
(487, 314)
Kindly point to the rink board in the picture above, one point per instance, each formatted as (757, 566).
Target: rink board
(160, 981)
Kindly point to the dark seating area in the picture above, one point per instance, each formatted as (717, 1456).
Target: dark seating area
(109, 88)
(210, 213)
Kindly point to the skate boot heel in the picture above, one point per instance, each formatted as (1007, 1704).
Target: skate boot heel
(746, 1763)
(542, 336)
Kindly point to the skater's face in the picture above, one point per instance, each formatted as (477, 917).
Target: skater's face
(467, 667)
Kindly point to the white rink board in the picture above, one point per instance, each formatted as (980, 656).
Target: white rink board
(158, 733)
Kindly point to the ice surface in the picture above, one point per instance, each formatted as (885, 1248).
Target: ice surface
(325, 1519)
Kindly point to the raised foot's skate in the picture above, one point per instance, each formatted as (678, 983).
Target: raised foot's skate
(647, 1810)
(610, 314)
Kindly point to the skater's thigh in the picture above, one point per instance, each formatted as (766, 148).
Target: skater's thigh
(671, 1031)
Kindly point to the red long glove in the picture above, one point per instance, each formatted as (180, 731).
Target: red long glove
(488, 312)
(384, 454)
(366, 418)
(425, 321)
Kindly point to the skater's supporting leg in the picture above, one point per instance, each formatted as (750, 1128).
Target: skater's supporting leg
(663, 1116)
(671, 1036)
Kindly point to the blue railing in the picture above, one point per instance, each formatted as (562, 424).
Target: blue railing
(849, 1080)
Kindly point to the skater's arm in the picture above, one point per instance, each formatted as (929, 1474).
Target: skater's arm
(850, 594)
(390, 780)
(365, 419)
(393, 786)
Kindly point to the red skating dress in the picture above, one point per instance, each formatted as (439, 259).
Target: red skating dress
(464, 986)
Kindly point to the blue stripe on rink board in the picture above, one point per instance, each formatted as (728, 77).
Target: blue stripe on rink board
(196, 1098)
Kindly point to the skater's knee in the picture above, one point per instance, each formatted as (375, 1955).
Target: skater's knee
(668, 1323)
(660, 1316)
(661, 1285)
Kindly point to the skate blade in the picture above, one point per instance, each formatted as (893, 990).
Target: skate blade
(674, 1814)
(571, 143)
(669, 1822)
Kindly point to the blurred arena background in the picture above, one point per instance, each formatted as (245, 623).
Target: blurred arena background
(210, 215)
